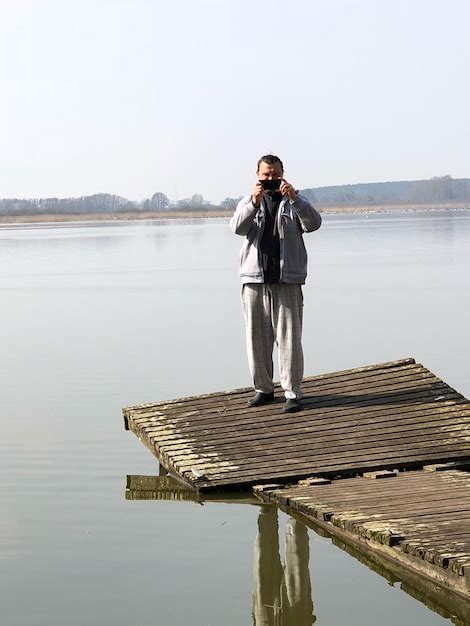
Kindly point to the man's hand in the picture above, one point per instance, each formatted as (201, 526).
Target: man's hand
(257, 194)
(287, 190)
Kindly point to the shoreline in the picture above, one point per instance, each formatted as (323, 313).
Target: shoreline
(58, 218)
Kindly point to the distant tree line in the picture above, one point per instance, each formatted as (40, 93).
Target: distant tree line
(436, 190)
(441, 189)
(108, 203)
(98, 203)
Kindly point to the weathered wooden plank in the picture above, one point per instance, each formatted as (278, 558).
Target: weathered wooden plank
(387, 502)
(212, 438)
(355, 457)
(302, 437)
(322, 415)
(206, 433)
(325, 420)
(329, 467)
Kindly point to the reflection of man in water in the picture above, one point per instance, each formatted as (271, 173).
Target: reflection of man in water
(283, 594)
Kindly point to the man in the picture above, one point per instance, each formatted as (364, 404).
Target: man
(273, 268)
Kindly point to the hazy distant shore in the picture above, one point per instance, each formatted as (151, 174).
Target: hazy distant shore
(178, 214)
(399, 208)
(110, 217)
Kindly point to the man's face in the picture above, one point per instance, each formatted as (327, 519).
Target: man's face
(269, 172)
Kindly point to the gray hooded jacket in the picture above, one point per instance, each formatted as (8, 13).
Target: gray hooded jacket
(293, 219)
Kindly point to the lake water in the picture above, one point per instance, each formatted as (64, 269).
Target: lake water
(96, 317)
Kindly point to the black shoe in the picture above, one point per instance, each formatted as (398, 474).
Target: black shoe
(261, 398)
(292, 405)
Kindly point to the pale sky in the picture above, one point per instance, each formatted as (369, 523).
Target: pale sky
(136, 96)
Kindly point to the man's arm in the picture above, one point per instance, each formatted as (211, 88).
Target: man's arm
(246, 210)
(242, 219)
(310, 218)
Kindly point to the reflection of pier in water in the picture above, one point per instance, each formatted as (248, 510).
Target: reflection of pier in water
(282, 593)
(165, 487)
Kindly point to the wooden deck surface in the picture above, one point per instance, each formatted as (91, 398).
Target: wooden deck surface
(422, 518)
(392, 415)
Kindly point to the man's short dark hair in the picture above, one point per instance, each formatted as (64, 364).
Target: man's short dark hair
(270, 159)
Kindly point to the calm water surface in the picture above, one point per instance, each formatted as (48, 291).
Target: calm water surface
(95, 317)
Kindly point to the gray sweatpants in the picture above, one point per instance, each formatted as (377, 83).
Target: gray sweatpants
(273, 313)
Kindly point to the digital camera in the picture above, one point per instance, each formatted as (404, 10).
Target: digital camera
(271, 185)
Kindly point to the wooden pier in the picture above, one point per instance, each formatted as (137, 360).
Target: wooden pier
(418, 519)
(392, 415)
